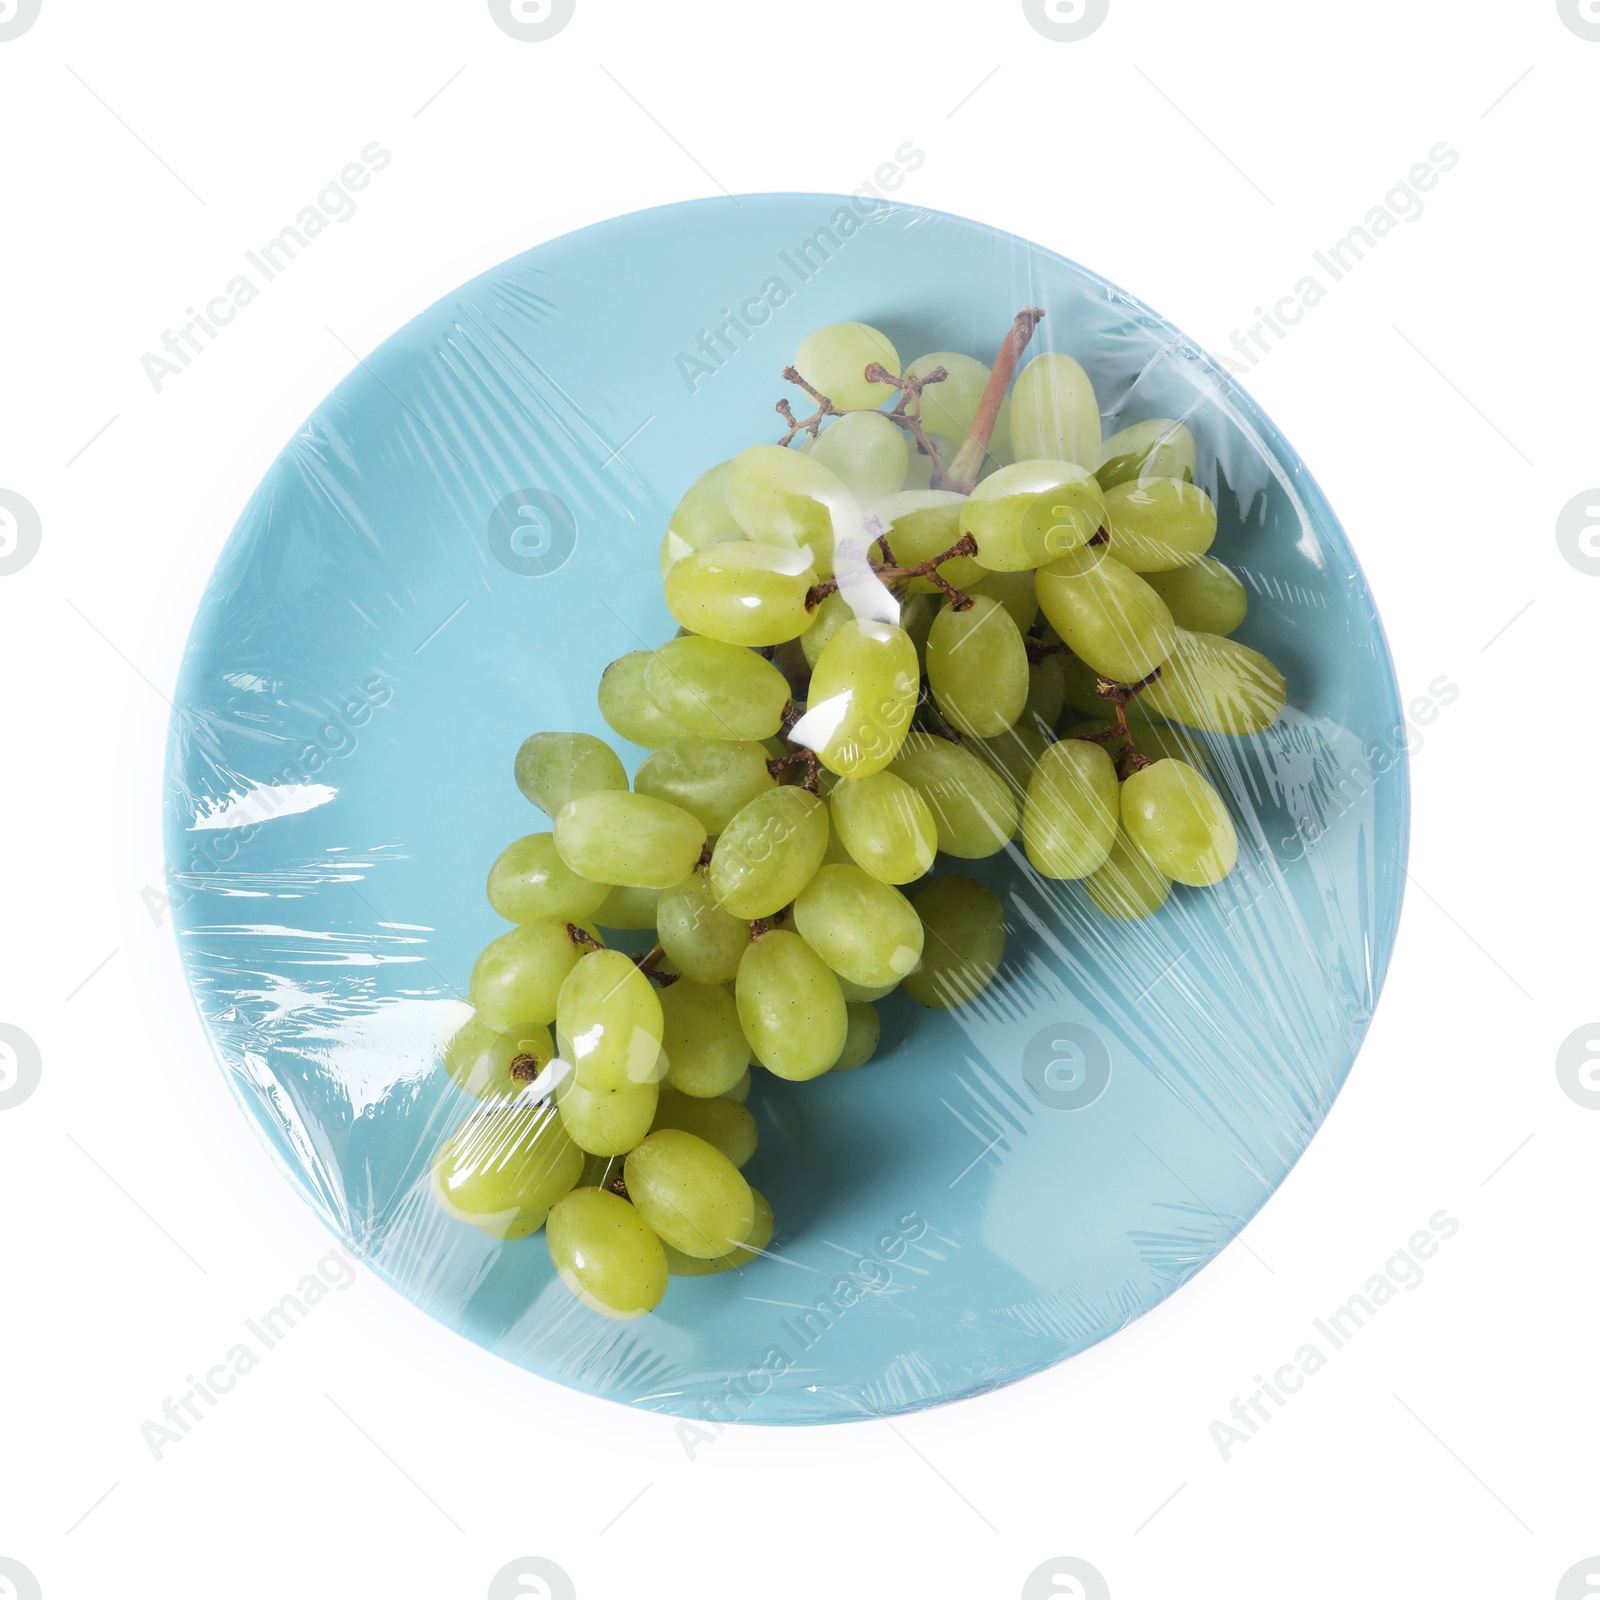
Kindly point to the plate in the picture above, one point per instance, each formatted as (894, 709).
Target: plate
(444, 558)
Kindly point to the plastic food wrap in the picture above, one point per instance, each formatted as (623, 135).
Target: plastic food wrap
(443, 562)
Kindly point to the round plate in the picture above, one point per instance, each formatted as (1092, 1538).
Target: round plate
(444, 559)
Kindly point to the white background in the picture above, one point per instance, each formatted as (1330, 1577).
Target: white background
(1444, 396)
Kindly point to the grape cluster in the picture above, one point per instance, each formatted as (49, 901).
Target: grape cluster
(884, 620)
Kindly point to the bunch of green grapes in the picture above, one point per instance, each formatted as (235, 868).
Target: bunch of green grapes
(885, 621)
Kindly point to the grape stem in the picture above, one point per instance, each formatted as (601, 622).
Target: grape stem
(801, 756)
(962, 476)
(764, 925)
(1119, 694)
(578, 936)
(649, 961)
(525, 1068)
(889, 572)
(902, 415)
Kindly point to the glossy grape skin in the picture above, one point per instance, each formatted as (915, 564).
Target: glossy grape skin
(950, 407)
(885, 826)
(1127, 886)
(973, 810)
(721, 1120)
(834, 359)
(553, 768)
(716, 690)
(1031, 512)
(742, 593)
(706, 1051)
(630, 839)
(479, 1057)
(628, 910)
(831, 615)
(1178, 820)
(690, 1193)
(516, 980)
(964, 942)
(1014, 754)
(920, 524)
(791, 499)
(1070, 818)
(1047, 693)
(790, 1006)
(606, 1254)
(1203, 597)
(978, 668)
(1109, 617)
(504, 1168)
(711, 779)
(1157, 449)
(858, 994)
(1159, 524)
(529, 880)
(702, 517)
(606, 1122)
(863, 1029)
(863, 691)
(761, 1231)
(609, 1024)
(701, 940)
(865, 451)
(626, 705)
(768, 852)
(865, 930)
(1017, 592)
(1054, 413)
(1216, 685)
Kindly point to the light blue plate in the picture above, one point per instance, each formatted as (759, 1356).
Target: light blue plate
(443, 560)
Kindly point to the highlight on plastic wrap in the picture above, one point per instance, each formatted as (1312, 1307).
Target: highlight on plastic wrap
(444, 560)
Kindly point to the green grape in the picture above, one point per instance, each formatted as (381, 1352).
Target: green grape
(504, 1167)
(919, 524)
(950, 407)
(741, 593)
(553, 768)
(628, 910)
(964, 940)
(865, 451)
(836, 855)
(920, 467)
(606, 1254)
(1153, 739)
(790, 1006)
(1017, 592)
(706, 1052)
(834, 360)
(529, 880)
(862, 694)
(605, 1122)
(701, 940)
(859, 994)
(761, 1230)
(830, 616)
(1159, 524)
(885, 825)
(768, 852)
(690, 1193)
(865, 930)
(721, 1120)
(1204, 597)
(1081, 681)
(1032, 512)
(716, 690)
(703, 517)
(974, 814)
(740, 1092)
(1179, 821)
(1127, 887)
(862, 1032)
(479, 1058)
(631, 839)
(711, 779)
(626, 705)
(791, 499)
(1054, 414)
(978, 667)
(518, 977)
(1047, 693)
(600, 1172)
(609, 1023)
(1109, 617)
(1157, 449)
(1217, 686)
(1070, 817)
